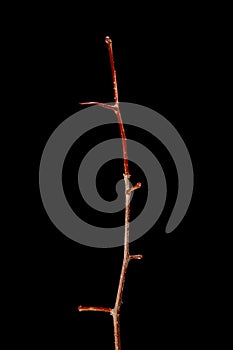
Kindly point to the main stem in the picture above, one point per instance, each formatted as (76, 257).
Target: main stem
(115, 312)
(117, 109)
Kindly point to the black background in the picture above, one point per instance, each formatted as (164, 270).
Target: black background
(163, 65)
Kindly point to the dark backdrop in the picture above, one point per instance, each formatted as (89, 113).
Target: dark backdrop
(166, 299)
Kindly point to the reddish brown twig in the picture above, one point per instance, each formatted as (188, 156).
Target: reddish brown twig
(115, 312)
(94, 308)
(114, 79)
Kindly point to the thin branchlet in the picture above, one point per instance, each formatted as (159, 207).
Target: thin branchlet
(115, 311)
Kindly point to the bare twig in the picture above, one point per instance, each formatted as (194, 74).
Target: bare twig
(94, 308)
(115, 312)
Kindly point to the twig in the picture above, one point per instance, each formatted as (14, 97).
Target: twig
(115, 312)
(94, 308)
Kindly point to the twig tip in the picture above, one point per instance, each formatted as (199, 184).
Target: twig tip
(108, 40)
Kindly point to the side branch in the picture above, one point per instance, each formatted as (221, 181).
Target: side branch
(138, 256)
(104, 105)
(133, 188)
(95, 308)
